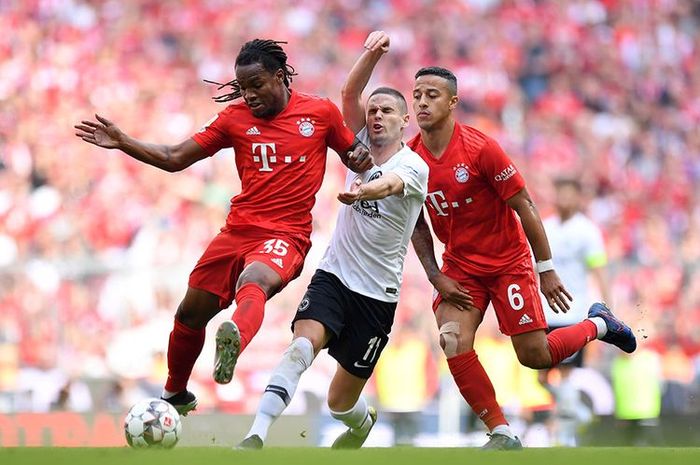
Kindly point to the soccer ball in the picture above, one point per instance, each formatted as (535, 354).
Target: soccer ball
(152, 423)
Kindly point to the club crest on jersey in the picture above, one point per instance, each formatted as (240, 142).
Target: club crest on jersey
(304, 305)
(377, 174)
(461, 173)
(306, 127)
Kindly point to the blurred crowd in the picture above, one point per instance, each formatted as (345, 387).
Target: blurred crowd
(95, 248)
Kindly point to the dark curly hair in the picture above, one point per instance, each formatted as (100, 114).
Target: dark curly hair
(264, 51)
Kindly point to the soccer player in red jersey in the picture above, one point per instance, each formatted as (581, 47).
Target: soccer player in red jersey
(280, 138)
(474, 194)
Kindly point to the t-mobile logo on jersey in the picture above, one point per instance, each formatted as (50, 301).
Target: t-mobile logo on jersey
(440, 204)
(266, 153)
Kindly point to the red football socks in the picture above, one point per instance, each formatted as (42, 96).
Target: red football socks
(183, 349)
(476, 388)
(250, 310)
(564, 342)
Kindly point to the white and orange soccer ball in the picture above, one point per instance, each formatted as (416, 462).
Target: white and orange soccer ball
(152, 423)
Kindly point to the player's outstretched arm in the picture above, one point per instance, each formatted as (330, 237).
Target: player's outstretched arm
(450, 290)
(376, 44)
(106, 134)
(550, 284)
(377, 189)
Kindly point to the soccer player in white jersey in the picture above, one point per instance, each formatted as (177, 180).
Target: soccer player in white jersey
(579, 252)
(350, 303)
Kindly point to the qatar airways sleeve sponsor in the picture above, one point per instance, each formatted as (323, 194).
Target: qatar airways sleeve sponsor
(506, 174)
(500, 170)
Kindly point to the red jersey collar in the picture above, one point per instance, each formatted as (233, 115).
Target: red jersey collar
(448, 149)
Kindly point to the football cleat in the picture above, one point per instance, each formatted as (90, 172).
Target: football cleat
(619, 334)
(184, 402)
(250, 443)
(350, 440)
(228, 346)
(502, 442)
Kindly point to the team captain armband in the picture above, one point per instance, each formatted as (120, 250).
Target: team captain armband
(545, 265)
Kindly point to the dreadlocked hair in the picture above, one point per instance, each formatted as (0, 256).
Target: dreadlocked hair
(264, 51)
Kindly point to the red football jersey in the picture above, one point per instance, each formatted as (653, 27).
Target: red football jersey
(467, 190)
(280, 162)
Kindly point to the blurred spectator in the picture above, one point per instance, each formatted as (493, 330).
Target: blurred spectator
(579, 257)
(636, 381)
(405, 381)
(570, 410)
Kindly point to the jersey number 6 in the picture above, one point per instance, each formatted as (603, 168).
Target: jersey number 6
(515, 298)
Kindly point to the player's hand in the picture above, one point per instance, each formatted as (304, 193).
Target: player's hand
(452, 292)
(557, 296)
(377, 41)
(359, 160)
(102, 133)
(353, 195)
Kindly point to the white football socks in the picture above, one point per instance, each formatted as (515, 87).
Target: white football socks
(167, 394)
(504, 430)
(282, 385)
(600, 324)
(357, 418)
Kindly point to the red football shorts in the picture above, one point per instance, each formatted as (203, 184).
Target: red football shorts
(233, 249)
(514, 294)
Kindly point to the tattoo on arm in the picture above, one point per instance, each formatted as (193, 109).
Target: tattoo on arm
(422, 241)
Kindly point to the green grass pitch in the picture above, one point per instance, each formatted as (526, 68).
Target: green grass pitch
(324, 456)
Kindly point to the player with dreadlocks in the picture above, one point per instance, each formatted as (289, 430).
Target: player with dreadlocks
(280, 138)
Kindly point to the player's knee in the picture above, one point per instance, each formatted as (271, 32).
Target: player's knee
(197, 308)
(188, 315)
(312, 331)
(301, 353)
(449, 338)
(266, 279)
(534, 357)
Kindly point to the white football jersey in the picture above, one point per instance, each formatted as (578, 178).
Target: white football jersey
(370, 241)
(577, 245)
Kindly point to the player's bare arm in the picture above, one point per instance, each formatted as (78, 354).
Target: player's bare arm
(376, 45)
(450, 290)
(172, 158)
(377, 189)
(600, 276)
(550, 284)
(357, 158)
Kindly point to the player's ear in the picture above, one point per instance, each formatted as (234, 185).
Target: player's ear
(404, 123)
(279, 74)
(453, 102)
